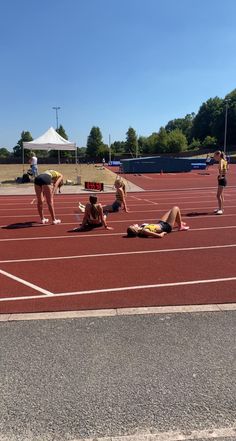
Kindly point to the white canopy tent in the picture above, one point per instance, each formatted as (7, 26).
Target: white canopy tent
(50, 140)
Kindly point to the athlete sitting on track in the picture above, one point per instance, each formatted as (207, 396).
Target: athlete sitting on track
(120, 198)
(162, 227)
(93, 216)
(117, 204)
(46, 185)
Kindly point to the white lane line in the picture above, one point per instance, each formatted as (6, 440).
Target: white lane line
(162, 198)
(193, 435)
(24, 282)
(122, 253)
(124, 288)
(105, 234)
(127, 220)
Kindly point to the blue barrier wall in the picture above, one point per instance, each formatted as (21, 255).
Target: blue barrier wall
(156, 164)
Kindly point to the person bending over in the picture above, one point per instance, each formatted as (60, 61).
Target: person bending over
(164, 226)
(93, 216)
(46, 185)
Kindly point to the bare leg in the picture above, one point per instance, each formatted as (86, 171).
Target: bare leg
(49, 198)
(173, 217)
(40, 198)
(220, 197)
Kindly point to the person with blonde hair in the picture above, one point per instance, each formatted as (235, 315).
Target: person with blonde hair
(164, 226)
(119, 201)
(93, 215)
(46, 185)
(220, 157)
(120, 198)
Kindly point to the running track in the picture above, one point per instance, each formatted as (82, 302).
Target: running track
(47, 268)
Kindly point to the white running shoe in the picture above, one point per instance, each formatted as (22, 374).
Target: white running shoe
(81, 207)
(219, 212)
(44, 221)
(56, 221)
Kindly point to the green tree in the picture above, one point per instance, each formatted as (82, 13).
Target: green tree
(207, 119)
(94, 142)
(25, 137)
(184, 124)
(176, 141)
(195, 144)
(61, 131)
(131, 145)
(161, 143)
(4, 153)
(118, 147)
(209, 142)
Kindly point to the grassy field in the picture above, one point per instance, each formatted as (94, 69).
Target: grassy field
(91, 172)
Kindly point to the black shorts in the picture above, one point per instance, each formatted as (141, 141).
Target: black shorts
(222, 182)
(43, 179)
(165, 227)
(90, 226)
(116, 206)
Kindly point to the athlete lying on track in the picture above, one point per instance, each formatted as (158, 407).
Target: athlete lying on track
(162, 227)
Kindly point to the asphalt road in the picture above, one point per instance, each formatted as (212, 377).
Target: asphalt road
(137, 376)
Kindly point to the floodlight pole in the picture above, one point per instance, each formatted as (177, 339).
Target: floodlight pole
(109, 146)
(226, 122)
(56, 108)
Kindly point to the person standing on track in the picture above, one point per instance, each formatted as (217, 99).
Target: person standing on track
(46, 185)
(161, 228)
(93, 215)
(219, 156)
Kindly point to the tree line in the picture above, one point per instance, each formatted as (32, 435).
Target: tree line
(206, 129)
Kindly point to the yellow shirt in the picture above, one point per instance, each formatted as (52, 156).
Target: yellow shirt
(152, 227)
(53, 173)
(223, 166)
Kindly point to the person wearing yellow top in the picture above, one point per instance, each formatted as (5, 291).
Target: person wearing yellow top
(46, 185)
(161, 228)
(219, 156)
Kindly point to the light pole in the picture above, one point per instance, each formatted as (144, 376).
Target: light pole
(227, 101)
(56, 109)
(109, 147)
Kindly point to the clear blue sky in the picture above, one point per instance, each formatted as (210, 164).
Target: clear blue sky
(111, 63)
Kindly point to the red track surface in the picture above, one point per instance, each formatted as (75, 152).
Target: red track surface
(46, 268)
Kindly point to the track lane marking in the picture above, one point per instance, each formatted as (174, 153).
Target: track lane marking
(24, 282)
(105, 234)
(210, 216)
(202, 207)
(122, 253)
(123, 288)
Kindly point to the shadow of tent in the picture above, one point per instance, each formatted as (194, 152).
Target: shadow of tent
(21, 225)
